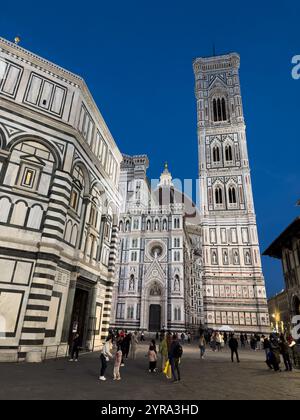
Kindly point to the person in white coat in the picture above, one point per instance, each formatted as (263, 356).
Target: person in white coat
(105, 356)
(134, 344)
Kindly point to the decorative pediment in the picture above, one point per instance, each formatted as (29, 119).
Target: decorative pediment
(155, 272)
(217, 82)
(10, 130)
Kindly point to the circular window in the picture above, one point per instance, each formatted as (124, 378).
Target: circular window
(156, 251)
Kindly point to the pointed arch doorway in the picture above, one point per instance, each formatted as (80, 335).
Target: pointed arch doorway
(154, 318)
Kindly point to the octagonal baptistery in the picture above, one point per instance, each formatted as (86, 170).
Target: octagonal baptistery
(59, 206)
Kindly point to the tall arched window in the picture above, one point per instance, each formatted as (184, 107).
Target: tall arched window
(215, 110)
(224, 116)
(219, 109)
(228, 153)
(232, 195)
(219, 195)
(216, 154)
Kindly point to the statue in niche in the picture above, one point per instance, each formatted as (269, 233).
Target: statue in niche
(225, 257)
(176, 283)
(155, 290)
(131, 283)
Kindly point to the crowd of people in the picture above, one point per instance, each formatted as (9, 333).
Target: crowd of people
(277, 347)
(169, 352)
(165, 352)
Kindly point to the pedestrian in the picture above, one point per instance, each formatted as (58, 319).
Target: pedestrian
(218, 341)
(175, 355)
(142, 336)
(234, 345)
(134, 344)
(153, 344)
(127, 343)
(253, 343)
(182, 337)
(118, 360)
(202, 346)
(285, 352)
(163, 350)
(266, 345)
(242, 339)
(152, 357)
(213, 342)
(273, 358)
(157, 336)
(75, 349)
(189, 337)
(225, 338)
(105, 356)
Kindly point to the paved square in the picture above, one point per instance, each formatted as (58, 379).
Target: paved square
(213, 378)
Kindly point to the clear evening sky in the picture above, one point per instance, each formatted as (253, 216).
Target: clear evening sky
(136, 57)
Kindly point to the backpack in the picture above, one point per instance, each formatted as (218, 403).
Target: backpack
(178, 351)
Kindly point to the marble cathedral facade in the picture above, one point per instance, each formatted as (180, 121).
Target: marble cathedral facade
(66, 190)
(226, 283)
(59, 205)
(158, 271)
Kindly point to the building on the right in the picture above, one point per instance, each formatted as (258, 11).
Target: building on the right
(280, 312)
(287, 248)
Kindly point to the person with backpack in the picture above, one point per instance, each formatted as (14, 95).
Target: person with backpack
(175, 354)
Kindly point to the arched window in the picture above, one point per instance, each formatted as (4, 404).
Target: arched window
(228, 153)
(216, 154)
(219, 109)
(127, 226)
(219, 195)
(121, 226)
(215, 110)
(224, 116)
(232, 195)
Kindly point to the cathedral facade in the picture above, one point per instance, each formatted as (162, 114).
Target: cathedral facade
(158, 281)
(208, 269)
(59, 205)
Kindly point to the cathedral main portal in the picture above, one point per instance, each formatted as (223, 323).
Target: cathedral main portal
(154, 318)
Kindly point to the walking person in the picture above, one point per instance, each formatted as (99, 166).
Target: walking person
(163, 350)
(175, 355)
(273, 360)
(152, 357)
(202, 346)
(225, 337)
(242, 340)
(234, 345)
(153, 344)
(134, 345)
(118, 360)
(105, 356)
(127, 343)
(142, 336)
(285, 352)
(266, 345)
(75, 349)
(218, 341)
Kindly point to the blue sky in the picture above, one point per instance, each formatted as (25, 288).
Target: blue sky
(136, 58)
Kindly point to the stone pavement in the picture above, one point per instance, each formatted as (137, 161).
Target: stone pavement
(210, 379)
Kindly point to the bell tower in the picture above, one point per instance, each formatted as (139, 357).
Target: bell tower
(234, 287)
